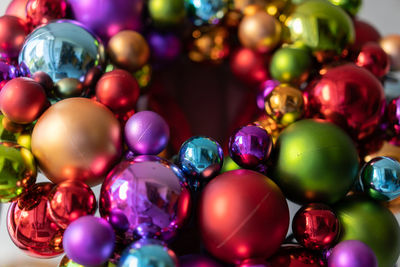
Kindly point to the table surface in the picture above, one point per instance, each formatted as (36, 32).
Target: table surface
(382, 14)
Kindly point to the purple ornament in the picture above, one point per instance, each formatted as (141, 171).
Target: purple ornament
(352, 253)
(23, 70)
(7, 72)
(108, 17)
(146, 132)
(144, 197)
(164, 47)
(197, 261)
(89, 241)
(265, 89)
(250, 146)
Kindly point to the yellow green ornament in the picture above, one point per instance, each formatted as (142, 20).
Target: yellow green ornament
(166, 13)
(350, 6)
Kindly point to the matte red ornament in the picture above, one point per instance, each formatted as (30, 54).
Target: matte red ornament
(118, 90)
(350, 97)
(315, 226)
(41, 12)
(22, 100)
(242, 215)
(70, 200)
(295, 256)
(374, 58)
(12, 36)
(249, 66)
(17, 8)
(30, 226)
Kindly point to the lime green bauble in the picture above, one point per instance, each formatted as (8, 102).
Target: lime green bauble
(364, 219)
(166, 12)
(350, 6)
(314, 161)
(291, 65)
(321, 26)
(229, 165)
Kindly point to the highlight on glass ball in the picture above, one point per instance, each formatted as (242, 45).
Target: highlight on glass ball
(202, 123)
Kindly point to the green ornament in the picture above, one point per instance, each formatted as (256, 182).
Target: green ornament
(167, 12)
(229, 165)
(66, 262)
(321, 26)
(291, 64)
(6, 135)
(314, 161)
(17, 171)
(350, 6)
(366, 220)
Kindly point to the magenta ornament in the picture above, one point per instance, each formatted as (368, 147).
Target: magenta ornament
(352, 253)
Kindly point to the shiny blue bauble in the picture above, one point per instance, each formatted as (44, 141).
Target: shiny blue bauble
(380, 178)
(206, 11)
(62, 49)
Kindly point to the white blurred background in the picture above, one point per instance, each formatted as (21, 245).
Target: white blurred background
(384, 15)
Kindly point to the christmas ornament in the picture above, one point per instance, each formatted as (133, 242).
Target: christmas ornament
(89, 240)
(365, 220)
(39, 12)
(350, 6)
(243, 215)
(30, 226)
(45, 81)
(295, 256)
(315, 161)
(249, 66)
(206, 11)
(70, 200)
(144, 197)
(166, 13)
(229, 165)
(17, 8)
(12, 36)
(393, 116)
(391, 45)
(17, 171)
(250, 146)
(73, 145)
(253, 263)
(22, 100)
(352, 253)
(118, 90)
(7, 73)
(197, 261)
(315, 226)
(74, 50)
(265, 89)
(128, 50)
(373, 58)
(146, 133)
(364, 33)
(68, 87)
(271, 126)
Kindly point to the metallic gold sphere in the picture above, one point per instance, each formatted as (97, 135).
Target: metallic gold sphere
(260, 31)
(77, 138)
(391, 45)
(285, 104)
(68, 87)
(128, 50)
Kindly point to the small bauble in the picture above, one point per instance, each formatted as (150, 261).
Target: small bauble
(12, 36)
(374, 58)
(68, 87)
(166, 13)
(352, 253)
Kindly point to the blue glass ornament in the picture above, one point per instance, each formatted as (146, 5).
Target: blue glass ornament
(380, 178)
(148, 252)
(62, 49)
(206, 11)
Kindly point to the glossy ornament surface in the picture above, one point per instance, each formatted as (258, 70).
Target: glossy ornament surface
(12, 36)
(206, 11)
(30, 226)
(80, 145)
(167, 13)
(45, 81)
(365, 33)
(391, 45)
(89, 240)
(39, 12)
(7, 73)
(17, 171)
(17, 8)
(240, 210)
(68, 87)
(315, 161)
(249, 66)
(374, 58)
(250, 146)
(350, 97)
(295, 256)
(62, 49)
(352, 253)
(70, 200)
(144, 197)
(368, 221)
(350, 6)
(315, 226)
(197, 261)
(146, 133)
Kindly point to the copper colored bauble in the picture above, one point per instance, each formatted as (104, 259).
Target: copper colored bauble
(249, 66)
(128, 50)
(315, 226)
(17, 8)
(374, 58)
(242, 215)
(259, 31)
(22, 100)
(118, 90)
(70, 200)
(30, 226)
(365, 33)
(350, 97)
(41, 12)
(12, 36)
(45, 81)
(77, 138)
(68, 87)
(295, 256)
(391, 45)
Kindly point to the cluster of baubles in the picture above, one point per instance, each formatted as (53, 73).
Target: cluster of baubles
(323, 130)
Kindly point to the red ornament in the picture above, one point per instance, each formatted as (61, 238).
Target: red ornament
(249, 66)
(17, 8)
(374, 58)
(254, 263)
(70, 200)
(350, 97)
(12, 36)
(365, 33)
(22, 100)
(295, 256)
(30, 226)
(315, 226)
(118, 90)
(243, 215)
(45, 81)
(40, 12)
